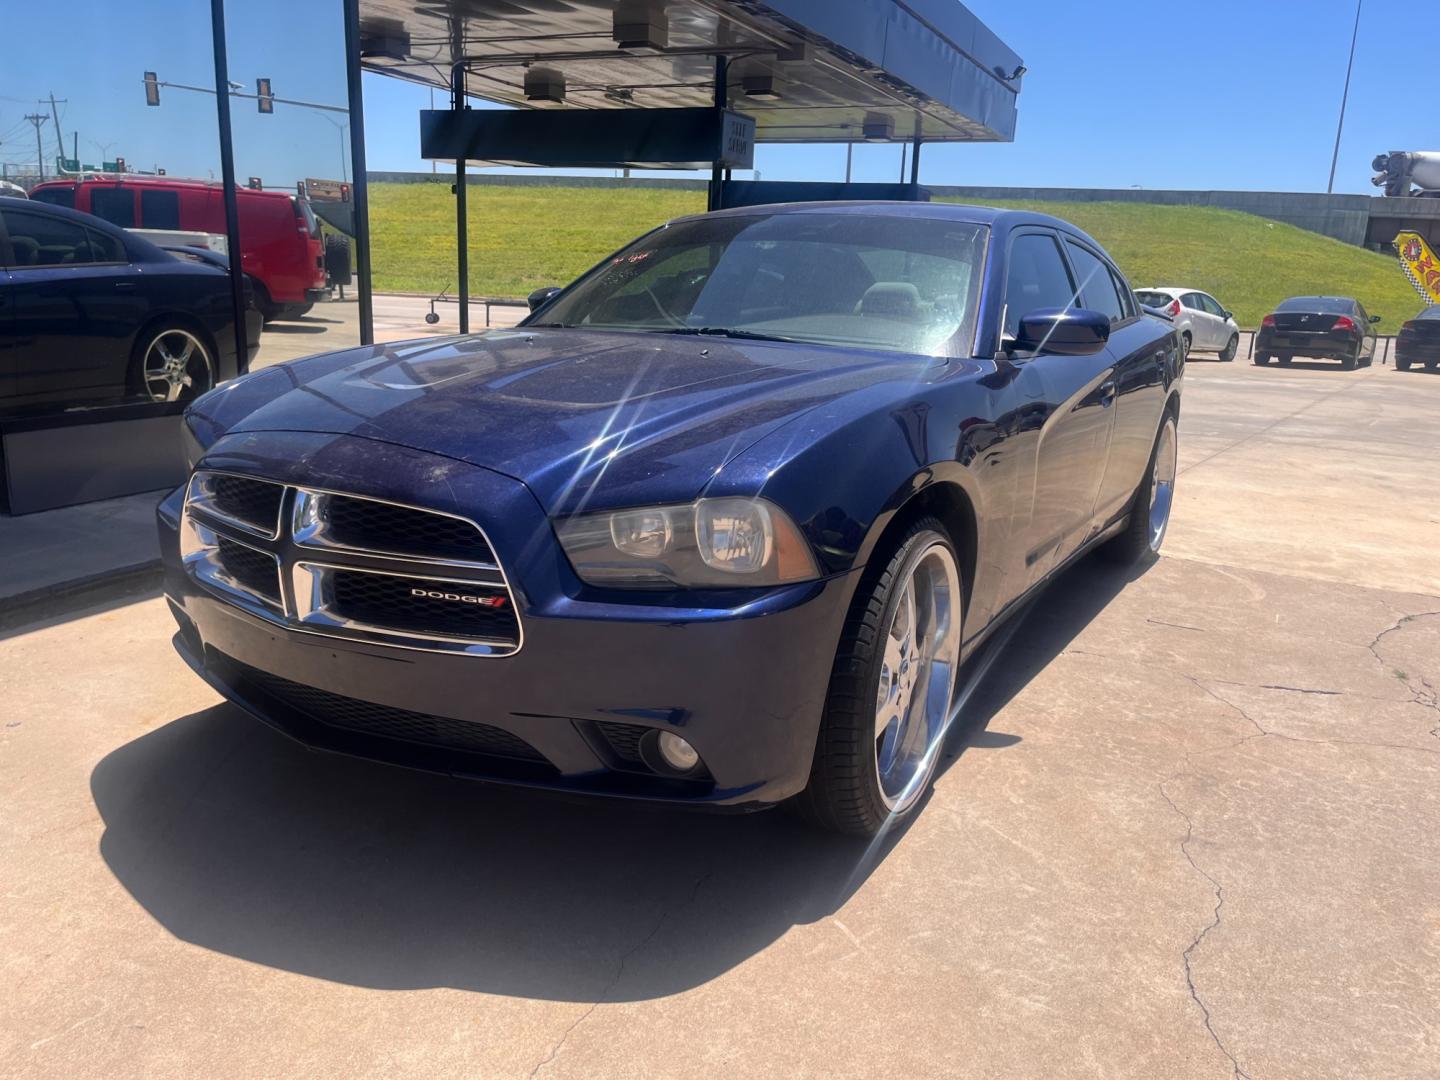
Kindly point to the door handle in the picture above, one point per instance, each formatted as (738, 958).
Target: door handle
(1107, 394)
(124, 284)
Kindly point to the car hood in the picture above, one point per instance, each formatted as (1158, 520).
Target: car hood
(583, 418)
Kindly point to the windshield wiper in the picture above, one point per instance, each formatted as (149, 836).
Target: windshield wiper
(724, 331)
(548, 326)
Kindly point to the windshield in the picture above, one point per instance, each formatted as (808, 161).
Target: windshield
(879, 282)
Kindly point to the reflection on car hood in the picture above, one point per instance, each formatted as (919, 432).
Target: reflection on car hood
(602, 419)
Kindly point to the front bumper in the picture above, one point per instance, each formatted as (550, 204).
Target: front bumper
(745, 683)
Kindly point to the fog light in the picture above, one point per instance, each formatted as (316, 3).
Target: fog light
(676, 752)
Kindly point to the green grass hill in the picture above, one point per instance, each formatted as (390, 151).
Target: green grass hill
(525, 237)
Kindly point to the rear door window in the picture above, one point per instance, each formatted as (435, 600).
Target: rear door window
(1192, 301)
(40, 240)
(1036, 279)
(115, 205)
(1097, 285)
(160, 209)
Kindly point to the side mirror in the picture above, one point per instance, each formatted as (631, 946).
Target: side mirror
(542, 296)
(1229, 315)
(1375, 318)
(1065, 331)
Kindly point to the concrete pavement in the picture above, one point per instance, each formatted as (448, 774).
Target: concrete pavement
(1190, 827)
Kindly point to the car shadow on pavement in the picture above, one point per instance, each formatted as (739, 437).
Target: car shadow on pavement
(238, 840)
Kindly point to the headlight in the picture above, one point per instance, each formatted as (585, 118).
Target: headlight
(713, 542)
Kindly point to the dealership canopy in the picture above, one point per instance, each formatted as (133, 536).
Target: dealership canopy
(804, 70)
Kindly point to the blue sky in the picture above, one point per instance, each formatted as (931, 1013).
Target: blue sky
(1119, 94)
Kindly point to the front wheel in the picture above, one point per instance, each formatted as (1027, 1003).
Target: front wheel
(1228, 353)
(1150, 508)
(171, 363)
(888, 705)
(1185, 346)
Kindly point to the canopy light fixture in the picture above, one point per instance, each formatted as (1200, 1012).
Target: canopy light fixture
(384, 39)
(760, 87)
(878, 127)
(641, 24)
(545, 84)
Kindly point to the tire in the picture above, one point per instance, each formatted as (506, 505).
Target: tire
(1285, 361)
(171, 361)
(297, 311)
(1351, 362)
(1402, 363)
(864, 777)
(1227, 354)
(1432, 365)
(1262, 358)
(269, 310)
(1153, 500)
(1185, 346)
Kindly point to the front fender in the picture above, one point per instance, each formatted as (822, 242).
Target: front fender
(843, 470)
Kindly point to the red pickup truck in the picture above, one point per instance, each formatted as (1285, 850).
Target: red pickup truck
(281, 248)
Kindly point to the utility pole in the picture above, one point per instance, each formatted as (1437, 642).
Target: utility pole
(37, 119)
(59, 135)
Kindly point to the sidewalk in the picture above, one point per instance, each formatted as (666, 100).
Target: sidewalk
(57, 559)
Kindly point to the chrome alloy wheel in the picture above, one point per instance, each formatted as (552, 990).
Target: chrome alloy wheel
(1162, 482)
(917, 676)
(176, 365)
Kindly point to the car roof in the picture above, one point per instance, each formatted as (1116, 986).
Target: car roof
(991, 216)
(186, 182)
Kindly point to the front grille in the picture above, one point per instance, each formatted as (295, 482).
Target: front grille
(448, 609)
(253, 502)
(384, 527)
(623, 739)
(366, 717)
(248, 539)
(252, 570)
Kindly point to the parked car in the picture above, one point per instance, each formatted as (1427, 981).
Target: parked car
(1323, 327)
(1202, 322)
(281, 247)
(90, 313)
(1418, 341)
(12, 190)
(717, 524)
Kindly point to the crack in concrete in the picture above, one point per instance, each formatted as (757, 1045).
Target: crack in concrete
(1175, 625)
(1426, 696)
(1237, 1073)
(619, 974)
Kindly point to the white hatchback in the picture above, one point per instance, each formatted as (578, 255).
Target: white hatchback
(1203, 324)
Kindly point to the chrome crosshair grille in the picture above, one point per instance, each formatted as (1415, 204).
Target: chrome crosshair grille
(347, 565)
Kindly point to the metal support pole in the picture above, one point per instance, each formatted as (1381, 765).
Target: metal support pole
(849, 159)
(915, 166)
(359, 190)
(462, 224)
(227, 183)
(1344, 99)
(722, 99)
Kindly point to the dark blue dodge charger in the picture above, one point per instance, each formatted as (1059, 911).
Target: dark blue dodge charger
(718, 524)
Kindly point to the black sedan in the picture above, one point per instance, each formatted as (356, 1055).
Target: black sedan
(1419, 341)
(91, 314)
(1322, 327)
